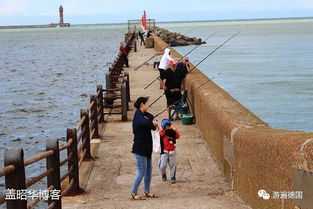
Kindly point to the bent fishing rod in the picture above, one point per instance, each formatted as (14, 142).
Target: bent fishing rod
(145, 62)
(210, 79)
(217, 48)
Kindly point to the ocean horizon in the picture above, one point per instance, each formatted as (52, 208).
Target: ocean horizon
(195, 21)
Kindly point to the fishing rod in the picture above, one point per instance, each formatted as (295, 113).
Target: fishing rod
(197, 46)
(145, 62)
(180, 59)
(210, 79)
(215, 50)
(156, 100)
(202, 59)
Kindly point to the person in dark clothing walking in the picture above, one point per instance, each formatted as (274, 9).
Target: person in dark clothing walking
(124, 53)
(141, 38)
(143, 123)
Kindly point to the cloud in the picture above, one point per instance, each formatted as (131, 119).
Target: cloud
(95, 7)
(10, 8)
(306, 4)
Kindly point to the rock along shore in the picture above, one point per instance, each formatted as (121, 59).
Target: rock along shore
(176, 39)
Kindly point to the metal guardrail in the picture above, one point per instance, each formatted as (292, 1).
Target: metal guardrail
(77, 147)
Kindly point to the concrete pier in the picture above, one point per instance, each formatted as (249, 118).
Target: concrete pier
(200, 182)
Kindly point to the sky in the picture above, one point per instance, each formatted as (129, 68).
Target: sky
(20, 12)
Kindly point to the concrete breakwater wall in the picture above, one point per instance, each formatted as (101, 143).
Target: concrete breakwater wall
(252, 155)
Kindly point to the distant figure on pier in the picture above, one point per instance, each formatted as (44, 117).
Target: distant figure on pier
(124, 53)
(172, 87)
(135, 30)
(143, 123)
(168, 135)
(149, 34)
(166, 58)
(157, 60)
(141, 38)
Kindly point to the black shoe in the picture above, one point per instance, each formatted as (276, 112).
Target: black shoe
(173, 180)
(164, 177)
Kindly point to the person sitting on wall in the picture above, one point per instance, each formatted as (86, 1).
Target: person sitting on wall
(124, 53)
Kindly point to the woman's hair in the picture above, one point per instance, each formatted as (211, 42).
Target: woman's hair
(139, 101)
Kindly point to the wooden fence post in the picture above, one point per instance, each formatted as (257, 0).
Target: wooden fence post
(15, 181)
(53, 178)
(86, 136)
(94, 118)
(100, 103)
(127, 86)
(73, 161)
(124, 102)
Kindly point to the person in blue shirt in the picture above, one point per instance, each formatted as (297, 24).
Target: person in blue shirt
(143, 123)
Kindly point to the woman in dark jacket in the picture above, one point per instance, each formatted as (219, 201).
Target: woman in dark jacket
(142, 148)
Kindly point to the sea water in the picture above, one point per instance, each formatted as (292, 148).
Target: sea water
(47, 76)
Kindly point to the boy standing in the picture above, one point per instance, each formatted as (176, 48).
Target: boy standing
(168, 136)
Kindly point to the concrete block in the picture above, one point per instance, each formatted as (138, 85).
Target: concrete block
(149, 42)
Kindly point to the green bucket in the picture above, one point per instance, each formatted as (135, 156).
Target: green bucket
(187, 119)
(184, 109)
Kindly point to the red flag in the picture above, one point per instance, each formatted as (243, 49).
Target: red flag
(145, 20)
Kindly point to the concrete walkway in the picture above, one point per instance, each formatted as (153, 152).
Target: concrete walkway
(200, 183)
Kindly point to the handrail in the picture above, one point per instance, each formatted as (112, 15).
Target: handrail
(82, 133)
(2, 199)
(82, 158)
(51, 206)
(38, 178)
(66, 160)
(38, 157)
(37, 200)
(6, 170)
(80, 123)
(90, 106)
(67, 173)
(67, 145)
(68, 188)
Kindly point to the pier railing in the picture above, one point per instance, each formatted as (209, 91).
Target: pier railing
(77, 147)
